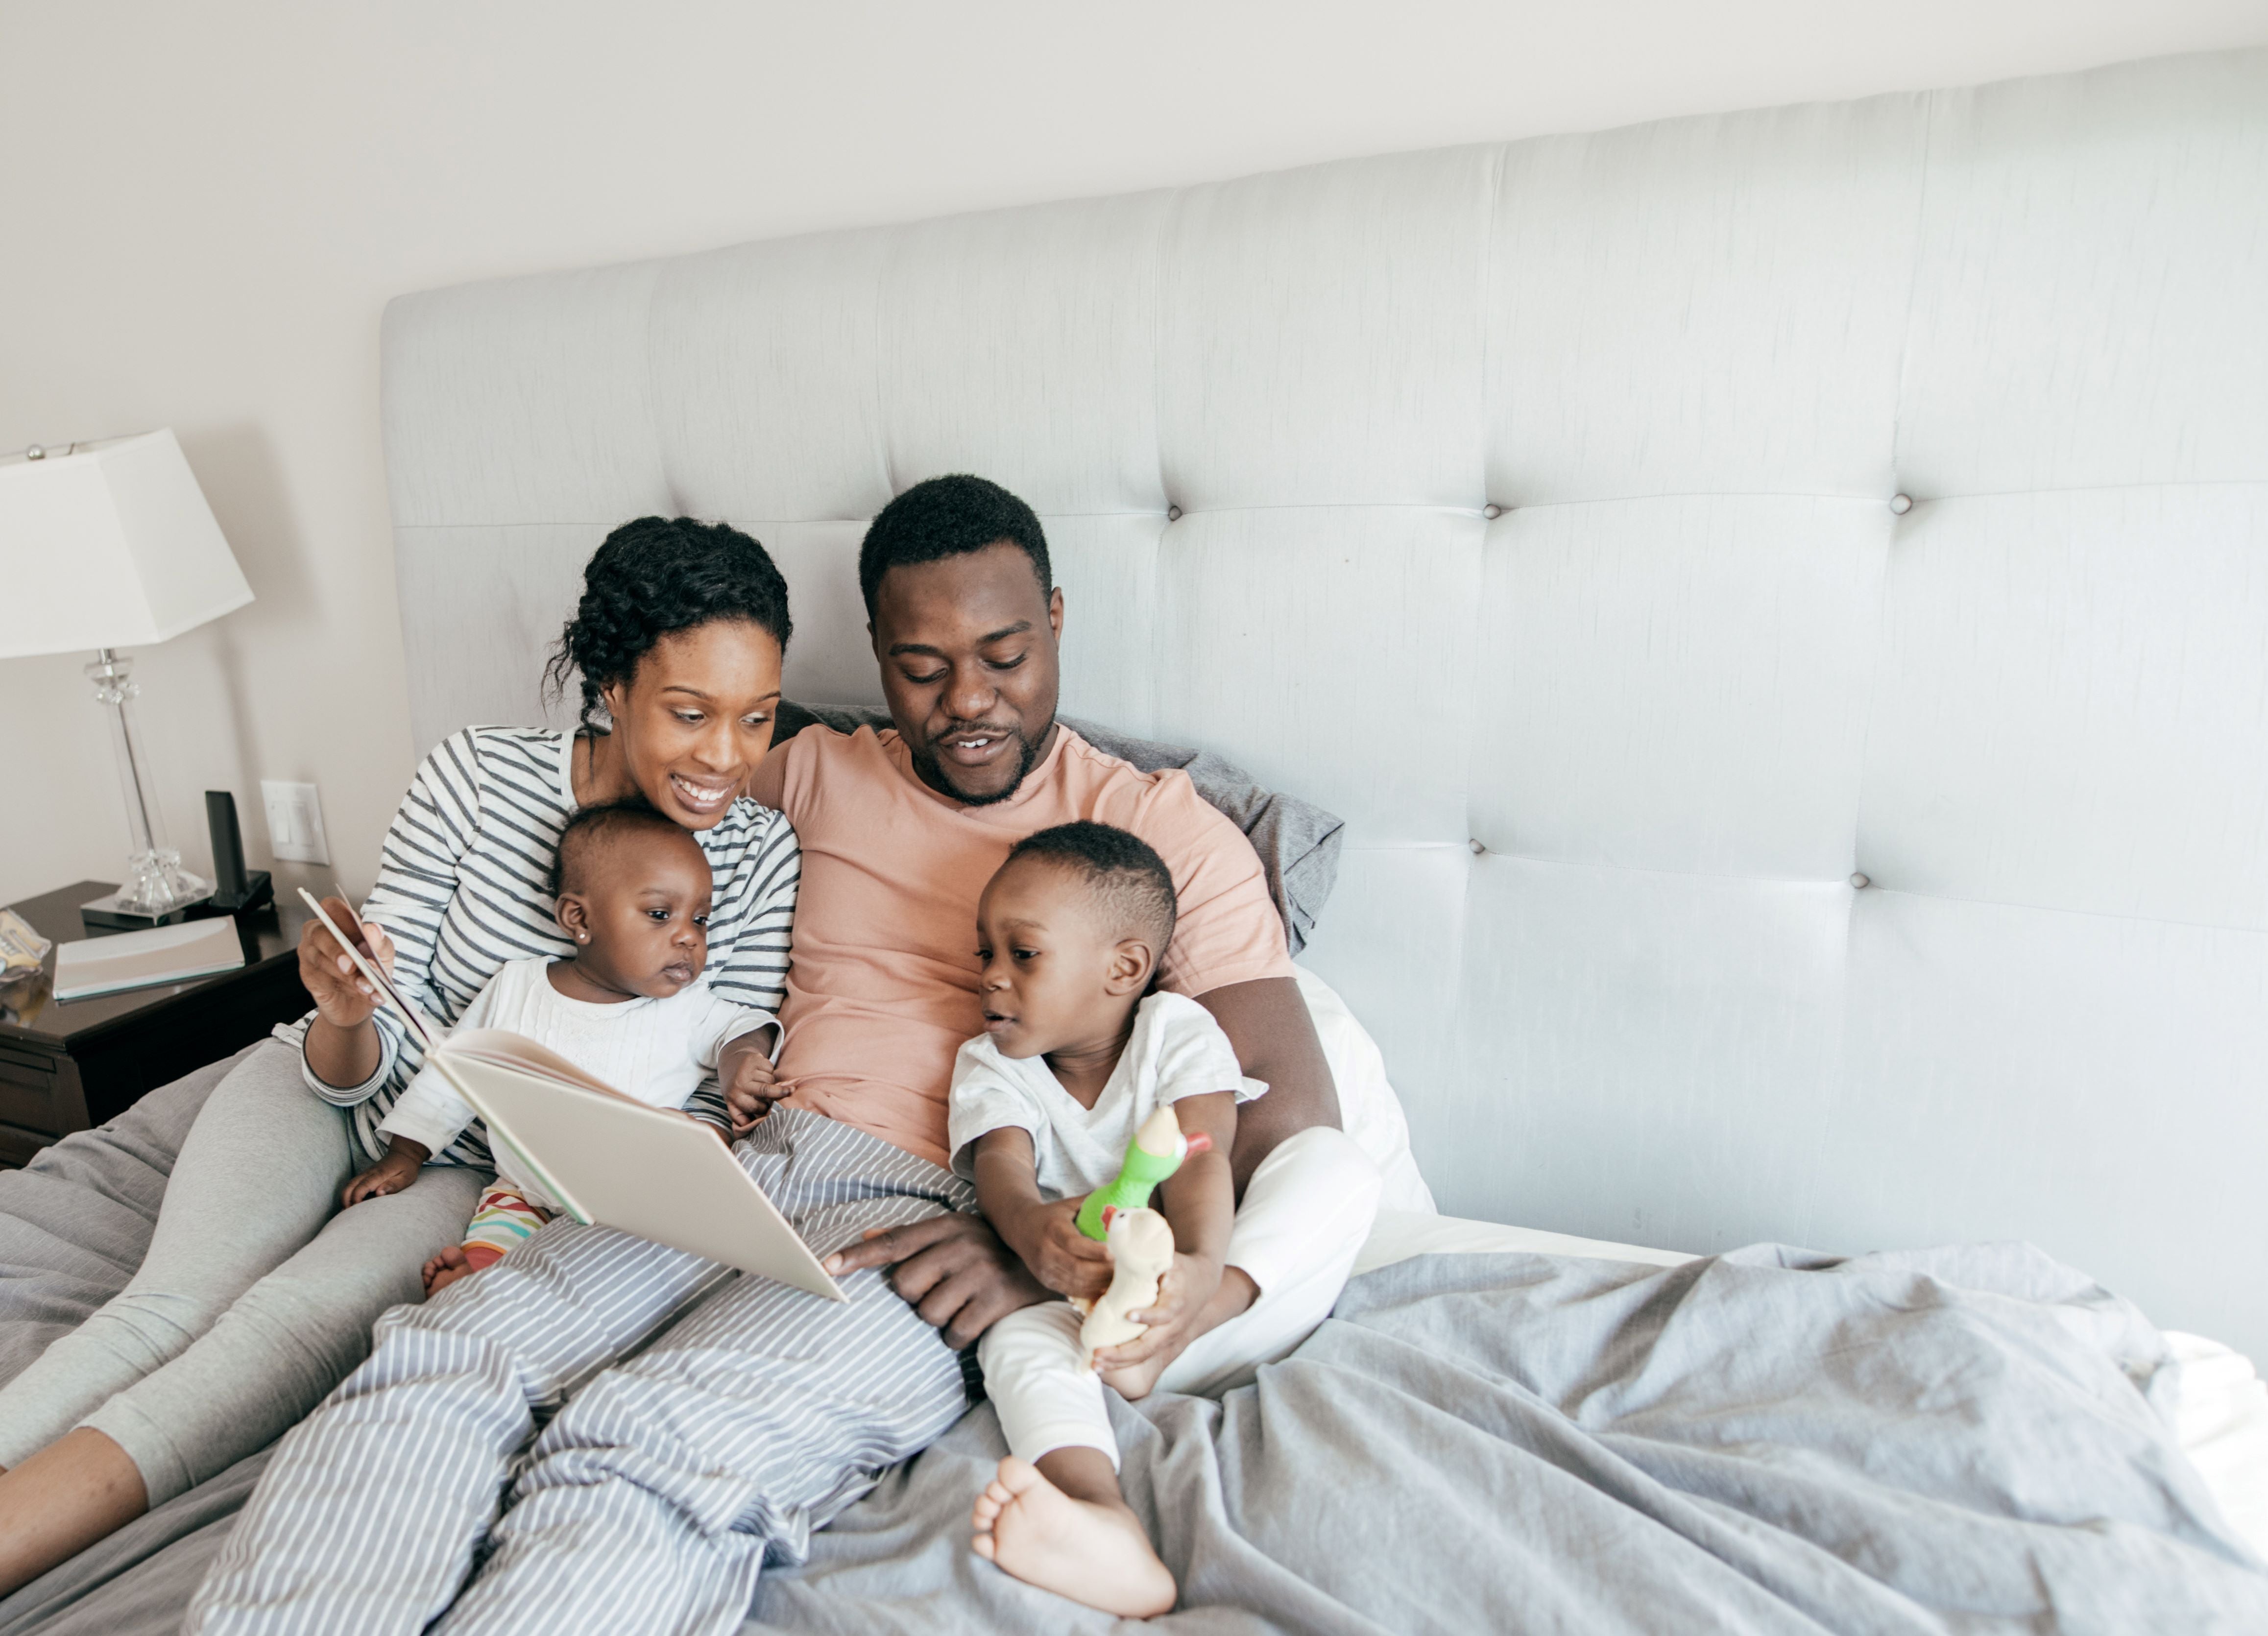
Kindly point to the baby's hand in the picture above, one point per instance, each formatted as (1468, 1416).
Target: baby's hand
(751, 1084)
(1059, 1254)
(390, 1174)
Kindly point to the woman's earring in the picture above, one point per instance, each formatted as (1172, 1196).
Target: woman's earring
(582, 937)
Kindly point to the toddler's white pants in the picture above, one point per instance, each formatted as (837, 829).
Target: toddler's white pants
(1305, 1213)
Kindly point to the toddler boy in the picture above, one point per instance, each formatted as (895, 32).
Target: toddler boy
(1077, 1053)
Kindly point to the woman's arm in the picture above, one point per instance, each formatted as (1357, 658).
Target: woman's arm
(752, 921)
(350, 1058)
(757, 910)
(342, 1044)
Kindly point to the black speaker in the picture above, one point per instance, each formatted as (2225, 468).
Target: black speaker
(235, 889)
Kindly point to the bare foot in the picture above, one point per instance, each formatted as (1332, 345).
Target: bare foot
(1137, 1381)
(1235, 1295)
(446, 1269)
(1088, 1551)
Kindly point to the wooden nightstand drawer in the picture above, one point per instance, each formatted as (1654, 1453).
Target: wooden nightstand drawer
(28, 1084)
(65, 1066)
(17, 1146)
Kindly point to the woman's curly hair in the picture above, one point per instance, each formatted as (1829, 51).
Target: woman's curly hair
(650, 577)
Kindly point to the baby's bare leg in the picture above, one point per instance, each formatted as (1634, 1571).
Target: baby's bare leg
(1063, 1525)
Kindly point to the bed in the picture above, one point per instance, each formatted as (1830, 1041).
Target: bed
(1503, 1428)
(1779, 602)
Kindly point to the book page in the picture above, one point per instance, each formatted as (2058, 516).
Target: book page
(504, 1049)
(618, 1163)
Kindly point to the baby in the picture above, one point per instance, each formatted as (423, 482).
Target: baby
(1077, 1052)
(633, 891)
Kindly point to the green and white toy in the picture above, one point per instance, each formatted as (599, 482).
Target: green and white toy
(1155, 1153)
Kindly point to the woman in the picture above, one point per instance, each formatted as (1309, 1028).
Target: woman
(254, 1298)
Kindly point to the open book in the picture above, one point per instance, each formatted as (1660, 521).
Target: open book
(607, 1158)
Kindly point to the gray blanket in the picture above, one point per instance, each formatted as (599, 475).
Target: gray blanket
(1957, 1440)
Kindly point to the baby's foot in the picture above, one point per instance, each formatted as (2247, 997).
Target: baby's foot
(1091, 1553)
(1136, 1380)
(446, 1269)
(1236, 1295)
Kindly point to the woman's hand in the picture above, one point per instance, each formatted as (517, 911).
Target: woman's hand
(390, 1174)
(751, 1084)
(341, 994)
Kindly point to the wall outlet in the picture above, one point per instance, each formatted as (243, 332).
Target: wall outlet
(295, 822)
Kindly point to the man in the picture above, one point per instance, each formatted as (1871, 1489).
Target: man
(650, 1501)
(966, 625)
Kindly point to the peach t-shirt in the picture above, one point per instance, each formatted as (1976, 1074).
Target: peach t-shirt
(881, 986)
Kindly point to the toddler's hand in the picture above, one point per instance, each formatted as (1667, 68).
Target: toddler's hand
(390, 1174)
(751, 1084)
(1183, 1292)
(1059, 1254)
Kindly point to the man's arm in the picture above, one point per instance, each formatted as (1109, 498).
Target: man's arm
(1268, 1024)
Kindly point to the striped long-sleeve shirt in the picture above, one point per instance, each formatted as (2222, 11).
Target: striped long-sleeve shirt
(464, 886)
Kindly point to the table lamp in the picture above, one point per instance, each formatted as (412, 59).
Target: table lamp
(102, 546)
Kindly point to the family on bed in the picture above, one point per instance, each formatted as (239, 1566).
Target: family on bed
(926, 981)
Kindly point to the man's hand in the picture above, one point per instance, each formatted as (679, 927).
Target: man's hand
(751, 1084)
(390, 1174)
(952, 1269)
(1061, 1256)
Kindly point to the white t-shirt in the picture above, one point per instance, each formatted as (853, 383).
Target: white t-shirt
(1176, 1050)
(658, 1051)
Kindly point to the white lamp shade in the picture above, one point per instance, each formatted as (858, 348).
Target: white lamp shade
(111, 546)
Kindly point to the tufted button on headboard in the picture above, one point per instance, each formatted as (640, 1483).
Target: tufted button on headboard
(1779, 600)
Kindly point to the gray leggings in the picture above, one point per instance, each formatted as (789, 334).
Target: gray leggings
(257, 1295)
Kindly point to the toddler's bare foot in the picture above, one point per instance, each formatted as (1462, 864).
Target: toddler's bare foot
(1087, 1551)
(1235, 1295)
(1136, 1380)
(446, 1269)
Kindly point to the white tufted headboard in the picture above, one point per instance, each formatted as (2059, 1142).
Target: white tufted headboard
(1531, 506)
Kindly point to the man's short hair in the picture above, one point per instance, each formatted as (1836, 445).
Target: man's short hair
(948, 517)
(1123, 869)
(588, 828)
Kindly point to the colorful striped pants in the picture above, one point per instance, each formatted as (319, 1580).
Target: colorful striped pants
(651, 1498)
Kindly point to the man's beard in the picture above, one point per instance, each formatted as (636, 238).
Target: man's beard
(930, 771)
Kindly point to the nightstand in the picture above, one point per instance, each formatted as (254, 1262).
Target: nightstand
(68, 1064)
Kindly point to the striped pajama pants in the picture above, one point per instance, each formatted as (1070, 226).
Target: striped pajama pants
(650, 1500)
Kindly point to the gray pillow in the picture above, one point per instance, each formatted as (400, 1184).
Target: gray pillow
(1298, 842)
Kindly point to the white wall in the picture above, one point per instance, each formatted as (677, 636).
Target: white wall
(203, 209)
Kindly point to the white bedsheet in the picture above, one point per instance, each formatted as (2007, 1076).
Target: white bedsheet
(2220, 1404)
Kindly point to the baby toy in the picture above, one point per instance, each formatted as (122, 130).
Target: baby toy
(1141, 1252)
(1155, 1153)
(1141, 1240)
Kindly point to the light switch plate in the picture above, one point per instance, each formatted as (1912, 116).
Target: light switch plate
(295, 822)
